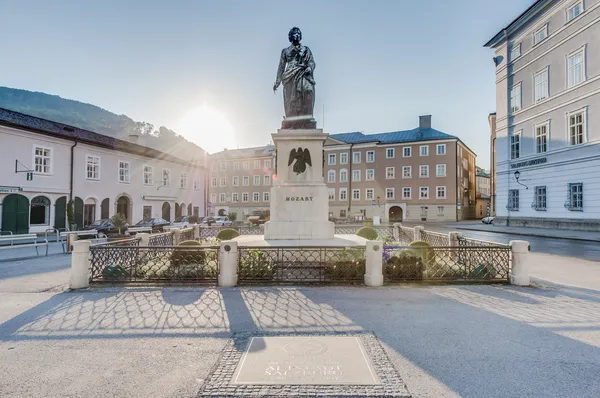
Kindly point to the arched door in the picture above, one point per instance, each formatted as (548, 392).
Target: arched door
(177, 211)
(395, 214)
(104, 209)
(222, 212)
(166, 211)
(60, 212)
(79, 212)
(15, 214)
(189, 210)
(123, 206)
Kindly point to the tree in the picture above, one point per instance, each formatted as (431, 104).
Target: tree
(71, 213)
(118, 221)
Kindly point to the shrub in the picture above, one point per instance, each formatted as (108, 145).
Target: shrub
(232, 217)
(404, 264)
(227, 234)
(119, 222)
(71, 213)
(423, 250)
(350, 264)
(367, 233)
(193, 219)
(256, 265)
(189, 262)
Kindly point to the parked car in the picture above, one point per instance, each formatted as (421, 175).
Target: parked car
(487, 220)
(157, 224)
(223, 221)
(207, 222)
(182, 222)
(259, 217)
(101, 226)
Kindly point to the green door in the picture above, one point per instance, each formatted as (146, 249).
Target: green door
(79, 212)
(60, 211)
(15, 214)
(104, 209)
(166, 211)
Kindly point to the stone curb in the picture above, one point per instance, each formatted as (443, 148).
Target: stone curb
(529, 234)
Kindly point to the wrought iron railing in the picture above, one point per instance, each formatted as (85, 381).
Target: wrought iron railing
(187, 234)
(119, 242)
(407, 234)
(210, 233)
(301, 265)
(448, 264)
(162, 239)
(383, 232)
(464, 242)
(435, 238)
(131, 264)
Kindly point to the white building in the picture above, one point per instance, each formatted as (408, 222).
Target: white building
(548, 116)
(101, 174)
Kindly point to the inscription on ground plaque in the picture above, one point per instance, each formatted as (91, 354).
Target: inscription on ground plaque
(317, 360)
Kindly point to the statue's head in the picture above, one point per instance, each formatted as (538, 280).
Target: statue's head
(295, 35)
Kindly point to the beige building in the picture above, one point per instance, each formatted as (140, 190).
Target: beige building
(483, 190)
(240, 181)
(415, 175)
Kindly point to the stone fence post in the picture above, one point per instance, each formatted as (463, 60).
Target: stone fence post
(418, 230)
(374, 263)
(397, 227)
(454, 238)
(261, 229)
(176, 236)
(144, 238)
(228, 262)
(80, 265)
(521, 258)
(196, 231)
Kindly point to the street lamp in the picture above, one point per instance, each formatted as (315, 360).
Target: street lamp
(517, 175)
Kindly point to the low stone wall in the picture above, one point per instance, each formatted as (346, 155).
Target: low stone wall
(551, 223)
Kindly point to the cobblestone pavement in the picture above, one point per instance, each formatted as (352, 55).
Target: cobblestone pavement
(471, 341)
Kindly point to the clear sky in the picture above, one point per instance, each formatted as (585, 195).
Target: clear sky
(380, 64)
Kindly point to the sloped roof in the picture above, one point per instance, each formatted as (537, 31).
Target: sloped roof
(48, 127)
(392, 137)
(243, 153)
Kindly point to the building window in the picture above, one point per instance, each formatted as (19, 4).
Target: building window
(344, 158)
(148, 180)
(356, 194)
(331, 176)
(331, 159)
(515, 145)
(246, 164)
(222, 181)
(440, 149)
(236, 166)
(390, 193)
(541, 137)
(441, 192)
(223, 166)
(222, 197)
(540, 34)
(342, 213)
(245, 181)
(575, 202)
(244, 196)
(196, 182)
(539, 200)
(267, 180)
(39, 214)
(406, 152)
(235, 197)
(577, 127)
(390, 153)
(370, 175)
(574, 11)
(515, 98)
(390, 173)
(424, 150)
(370, 156)
(423, 171)
(424, 193)
(540, 80)
(256, 180)
(89, 212)
(267, 164)
(331, 193)
(406, 171)
(356, 157)
(440, 210)
(513, 199)
(406, 194)
(235, 181)
(183, 180)
(370, 194)
(515, 52)
(356, 175)
(124, 172)
(440, 170)
(214, 167)
(213, 198)
(93, 167)
(266, 196)
(343, 175)
(343, 194)
(257, 164)
(576, 68)
(213, 182)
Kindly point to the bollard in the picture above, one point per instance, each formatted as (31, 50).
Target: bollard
(418, 230)
(71, 238)
(80, 265)
(228, 262)
(176, 236)
(196, 232)
(144, 238)
(374, 263)
(520, 262)
(397, 227)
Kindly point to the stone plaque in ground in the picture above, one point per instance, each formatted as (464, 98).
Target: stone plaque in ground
(305, 360)
(324, 365)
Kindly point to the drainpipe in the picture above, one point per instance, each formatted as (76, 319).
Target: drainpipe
(351, 158)
(458, 187)
(72, 164)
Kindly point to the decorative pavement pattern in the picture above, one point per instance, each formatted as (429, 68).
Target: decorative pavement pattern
(221, 382)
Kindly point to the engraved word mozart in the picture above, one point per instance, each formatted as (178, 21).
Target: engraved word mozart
(299, 198)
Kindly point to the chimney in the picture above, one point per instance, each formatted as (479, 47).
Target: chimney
(425, 122)
(133, 138)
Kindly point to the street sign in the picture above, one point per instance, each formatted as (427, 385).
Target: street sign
(458, 204)
(373, 202)
(29, 176)
(4, 189)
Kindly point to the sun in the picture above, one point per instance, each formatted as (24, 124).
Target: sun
(208, 128)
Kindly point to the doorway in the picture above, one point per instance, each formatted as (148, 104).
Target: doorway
(395, 214)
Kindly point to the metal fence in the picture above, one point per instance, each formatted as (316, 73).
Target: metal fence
(464, 242)
(120, 264)
(301, 265)
(407, 234)
(118, 242)
(435, 238)
(209, 234)
(187, 234)
(383, 232)
(162, 239)
(446, 264)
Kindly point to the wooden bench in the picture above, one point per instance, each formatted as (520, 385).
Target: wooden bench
(4, 239)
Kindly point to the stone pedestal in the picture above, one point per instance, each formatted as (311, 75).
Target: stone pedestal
(299, 201)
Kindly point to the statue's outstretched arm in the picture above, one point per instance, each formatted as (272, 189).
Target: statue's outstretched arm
(280, 70)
